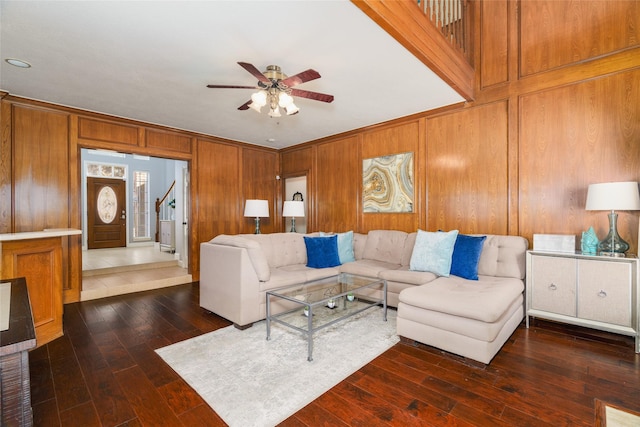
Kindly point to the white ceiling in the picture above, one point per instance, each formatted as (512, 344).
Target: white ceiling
(151, 61)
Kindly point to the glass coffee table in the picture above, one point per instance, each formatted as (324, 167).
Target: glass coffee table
(317, 304)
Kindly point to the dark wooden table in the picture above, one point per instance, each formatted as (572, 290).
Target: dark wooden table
(15, 343)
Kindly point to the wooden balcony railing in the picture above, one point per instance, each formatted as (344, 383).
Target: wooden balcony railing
(437, 32)
(450, 17)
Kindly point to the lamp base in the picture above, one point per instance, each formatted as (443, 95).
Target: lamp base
(613, 245)
(257, 226)
(612, 254)
(293, 224)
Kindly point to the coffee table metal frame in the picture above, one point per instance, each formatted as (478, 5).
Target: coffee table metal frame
(315, 296)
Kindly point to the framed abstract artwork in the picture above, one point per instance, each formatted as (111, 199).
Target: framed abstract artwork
(387, 183)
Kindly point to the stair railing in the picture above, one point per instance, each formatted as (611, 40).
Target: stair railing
(164, 207)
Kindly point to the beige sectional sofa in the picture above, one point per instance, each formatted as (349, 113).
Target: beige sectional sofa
(472, 318)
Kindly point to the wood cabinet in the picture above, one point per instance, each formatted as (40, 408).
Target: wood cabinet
(592, 291)
(37, 256)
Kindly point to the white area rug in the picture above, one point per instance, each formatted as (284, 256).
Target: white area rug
(250, 381)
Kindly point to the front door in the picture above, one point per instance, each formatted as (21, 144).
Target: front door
(106, 214)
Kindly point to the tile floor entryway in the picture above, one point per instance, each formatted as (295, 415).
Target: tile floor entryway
(109, 272)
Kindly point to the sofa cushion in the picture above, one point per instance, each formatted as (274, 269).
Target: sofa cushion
(485, 300)
(281, 248)
(404, 275)
(322, 252)
(409, 244)
(466, 255)
(254, 250)
(367, 267)
(463, 326)
(432, 252)
(503, 256)
(359, 243)
(281, 278)
(309, 273)
(385, 245)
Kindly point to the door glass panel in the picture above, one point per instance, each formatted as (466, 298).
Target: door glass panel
(141, 204)
(107, 205)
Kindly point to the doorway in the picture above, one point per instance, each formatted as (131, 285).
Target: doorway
(295, 188)
(138, 264)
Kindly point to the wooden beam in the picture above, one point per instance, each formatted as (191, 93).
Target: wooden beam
(406, 23)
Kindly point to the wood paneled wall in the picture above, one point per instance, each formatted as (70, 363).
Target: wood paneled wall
(557, 108)
(259, 171)
(573, 136)
(214, 212)
(559, 33)
(41, 189)
(466, 171)
(337, 185)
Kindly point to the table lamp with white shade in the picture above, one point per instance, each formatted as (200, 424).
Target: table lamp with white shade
(613, 196)
(293, 209)
(256, 209)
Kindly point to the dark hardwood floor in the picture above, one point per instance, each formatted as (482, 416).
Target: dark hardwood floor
(104, 372)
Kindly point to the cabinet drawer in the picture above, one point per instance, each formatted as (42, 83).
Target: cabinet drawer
(605, 291)
(553, 285)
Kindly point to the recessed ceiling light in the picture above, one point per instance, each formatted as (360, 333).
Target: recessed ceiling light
(18, 63)
(271, 140)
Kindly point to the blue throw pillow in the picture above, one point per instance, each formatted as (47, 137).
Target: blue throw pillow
(345, 246)
(466, 255)
(322, 251)
(433, 252)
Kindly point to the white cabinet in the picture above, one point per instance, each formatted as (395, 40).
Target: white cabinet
(592, 291)
(167, 235)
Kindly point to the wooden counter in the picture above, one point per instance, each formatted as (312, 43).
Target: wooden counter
(29, 235)
(15, 389)
(37, 256)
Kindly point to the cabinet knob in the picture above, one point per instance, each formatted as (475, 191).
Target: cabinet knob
(602, 294)
(553, 287)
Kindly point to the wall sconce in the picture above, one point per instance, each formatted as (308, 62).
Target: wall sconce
(293, 209)
(256, 209)
(622, 196)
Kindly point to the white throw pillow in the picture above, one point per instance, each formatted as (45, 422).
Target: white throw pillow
(433, 251)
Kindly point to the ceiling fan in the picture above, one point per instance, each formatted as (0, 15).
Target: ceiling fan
(276, 89)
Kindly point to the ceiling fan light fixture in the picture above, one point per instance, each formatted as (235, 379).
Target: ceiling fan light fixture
(275, 112)
(275, 88)
(285, 100)
(256, 107)
(259, 98)
(291, 109)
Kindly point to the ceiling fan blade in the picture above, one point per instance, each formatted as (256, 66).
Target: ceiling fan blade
(231, 87)
(245, 106)
(302, 77)
(312, 95)
(254, 72)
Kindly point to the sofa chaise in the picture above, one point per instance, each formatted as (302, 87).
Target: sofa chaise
(472, 318)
